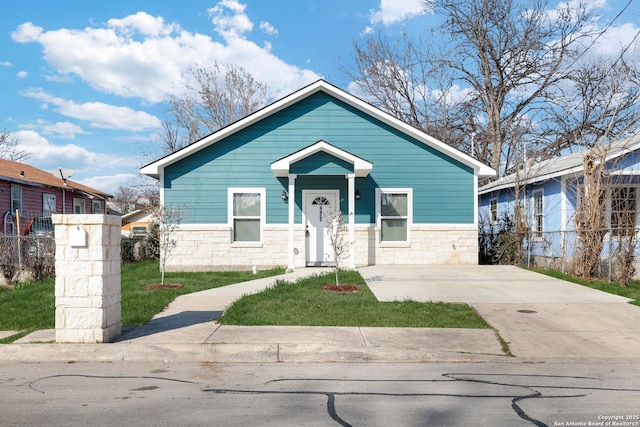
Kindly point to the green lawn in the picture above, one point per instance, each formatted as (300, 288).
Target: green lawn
(305, 303)
(30, 306)
(631, 291)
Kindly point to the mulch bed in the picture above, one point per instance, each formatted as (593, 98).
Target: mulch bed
(154, 287)
(341, 288)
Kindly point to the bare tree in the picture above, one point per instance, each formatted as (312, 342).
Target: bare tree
(9, 149)
(213, 97)
(126, 199)
(338, 240)
(207, 99)
(168, 221)
(507, 59)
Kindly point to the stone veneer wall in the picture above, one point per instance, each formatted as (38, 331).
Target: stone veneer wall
(87, 287)
(430, 244)
(208, 247)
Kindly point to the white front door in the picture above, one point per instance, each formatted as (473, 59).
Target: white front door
(318, 205)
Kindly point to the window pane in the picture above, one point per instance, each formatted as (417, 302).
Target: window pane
(246, 230)
(16, 198)
(246, 204)
(393, 205)
(394, 230)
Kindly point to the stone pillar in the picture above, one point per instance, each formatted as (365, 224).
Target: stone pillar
(87, 289)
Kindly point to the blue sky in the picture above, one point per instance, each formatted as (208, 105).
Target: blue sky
(83, 83)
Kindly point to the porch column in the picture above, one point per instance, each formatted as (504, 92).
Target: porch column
(351, 179)
(292, 204)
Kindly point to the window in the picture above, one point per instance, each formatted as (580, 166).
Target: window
(48, 205)
(246, 213)
(537, 216)
(16, 199)
(394, 207)
(493, 211)
(79, 206)
(96, 207)
(623, 210)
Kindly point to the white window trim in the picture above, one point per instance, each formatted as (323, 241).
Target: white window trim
(95, 203)
(608, 203)
(263, 213)
(492, 220)
(409, 192)
(609, 213)
(534, 234)
(83, 202)
(18, 187)
(47, 213)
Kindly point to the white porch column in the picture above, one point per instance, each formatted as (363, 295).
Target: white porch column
(351, 178)
(292, 204)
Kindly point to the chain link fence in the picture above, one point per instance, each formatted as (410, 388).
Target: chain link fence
(559, 249)
(27, 247)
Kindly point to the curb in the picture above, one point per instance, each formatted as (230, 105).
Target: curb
(228, 353)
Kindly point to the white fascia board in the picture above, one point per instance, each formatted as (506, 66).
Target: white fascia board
(361, 167)
(153, 169)
(480, 169)
(528, 181)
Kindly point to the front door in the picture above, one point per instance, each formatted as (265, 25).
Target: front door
(318, 205)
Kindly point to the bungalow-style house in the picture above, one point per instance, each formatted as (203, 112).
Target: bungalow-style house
(35, 193)
(259, 191)
(549, 193)
(137, 223)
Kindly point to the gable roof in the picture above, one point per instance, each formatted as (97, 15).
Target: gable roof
(361, 167)
(21, 173)
(153, 169)
(560, 166)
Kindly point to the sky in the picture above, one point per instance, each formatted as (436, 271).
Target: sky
(84, 84)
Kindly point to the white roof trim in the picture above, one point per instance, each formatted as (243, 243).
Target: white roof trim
(480, 169)
(621, 148)
(361, 167)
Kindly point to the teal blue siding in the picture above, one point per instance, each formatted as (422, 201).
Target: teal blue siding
(442, 187)
(322, 164)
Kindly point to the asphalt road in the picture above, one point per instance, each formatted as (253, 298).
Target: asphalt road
(551, 393)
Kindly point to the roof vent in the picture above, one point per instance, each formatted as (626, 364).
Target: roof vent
(21, 173)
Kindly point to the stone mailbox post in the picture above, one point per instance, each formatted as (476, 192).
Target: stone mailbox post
(87, 289)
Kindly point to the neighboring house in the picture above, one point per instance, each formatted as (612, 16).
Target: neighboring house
(549, 193)
(137, 223)
(39, 194)
(259, 191)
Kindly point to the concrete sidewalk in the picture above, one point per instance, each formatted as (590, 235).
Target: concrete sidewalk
(537, 315)
(186, 331)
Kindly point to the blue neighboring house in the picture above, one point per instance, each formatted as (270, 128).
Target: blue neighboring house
(549, 192)
(259, 192)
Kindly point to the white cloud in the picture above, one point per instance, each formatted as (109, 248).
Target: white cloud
(98, 114)
(61, 130)
(229, 19)
(268, 28)
(47, 156)
(110, 183)
(393, 11)
(22, 74)
(6, 64)
(142, 56)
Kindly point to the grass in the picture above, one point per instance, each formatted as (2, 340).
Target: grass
(304, 303)
(140, 305)
(632, 290)
(30, 306)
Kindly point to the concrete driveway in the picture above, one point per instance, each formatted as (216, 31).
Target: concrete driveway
(538, 316)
